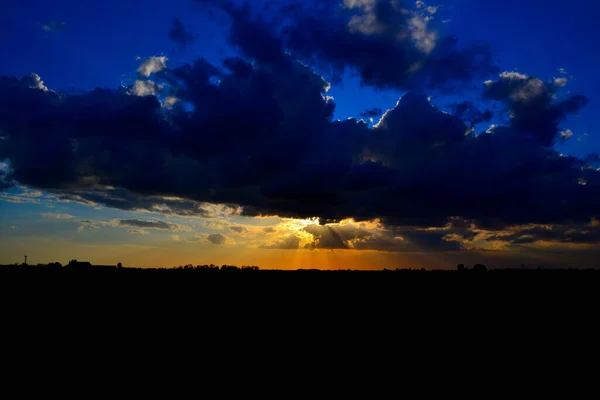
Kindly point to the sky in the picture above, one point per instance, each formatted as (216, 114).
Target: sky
(290, 134)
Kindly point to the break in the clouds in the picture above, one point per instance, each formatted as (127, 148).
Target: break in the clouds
(255, 135)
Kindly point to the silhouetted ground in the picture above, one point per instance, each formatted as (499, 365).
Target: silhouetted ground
(494, 328)
(77, 266)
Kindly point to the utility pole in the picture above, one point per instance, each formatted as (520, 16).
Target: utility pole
(25, 259)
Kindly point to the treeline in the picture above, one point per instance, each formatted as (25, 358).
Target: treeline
(213, 267)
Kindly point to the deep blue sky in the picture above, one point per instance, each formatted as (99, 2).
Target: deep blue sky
(78, 46)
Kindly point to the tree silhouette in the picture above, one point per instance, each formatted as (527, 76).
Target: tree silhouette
(479, 268)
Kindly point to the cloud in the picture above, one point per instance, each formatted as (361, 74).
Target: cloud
(238, 229)
(217, 238)
(153, 224)
(390, 44)
(566, 134)
(145, 88)
(152, 65)
(357, 236)
(54, 26)
(179, 35)
(34, 81)
(535, 235)
(57, 216)
(138, 226)
(137, 232)
(289, 242)
(468, 111)
(561, 82)
(5, 181)
(531, 104)
(372, 113)
(125, 200)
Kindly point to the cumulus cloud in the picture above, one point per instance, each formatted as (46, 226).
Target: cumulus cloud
(531, 104)
(146, 88)
(34, 81)
(152, 65)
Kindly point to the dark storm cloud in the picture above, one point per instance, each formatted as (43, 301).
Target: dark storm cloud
(389, 44)
(566, 233)
(179, 35)
(259, 133)
(125, 200)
